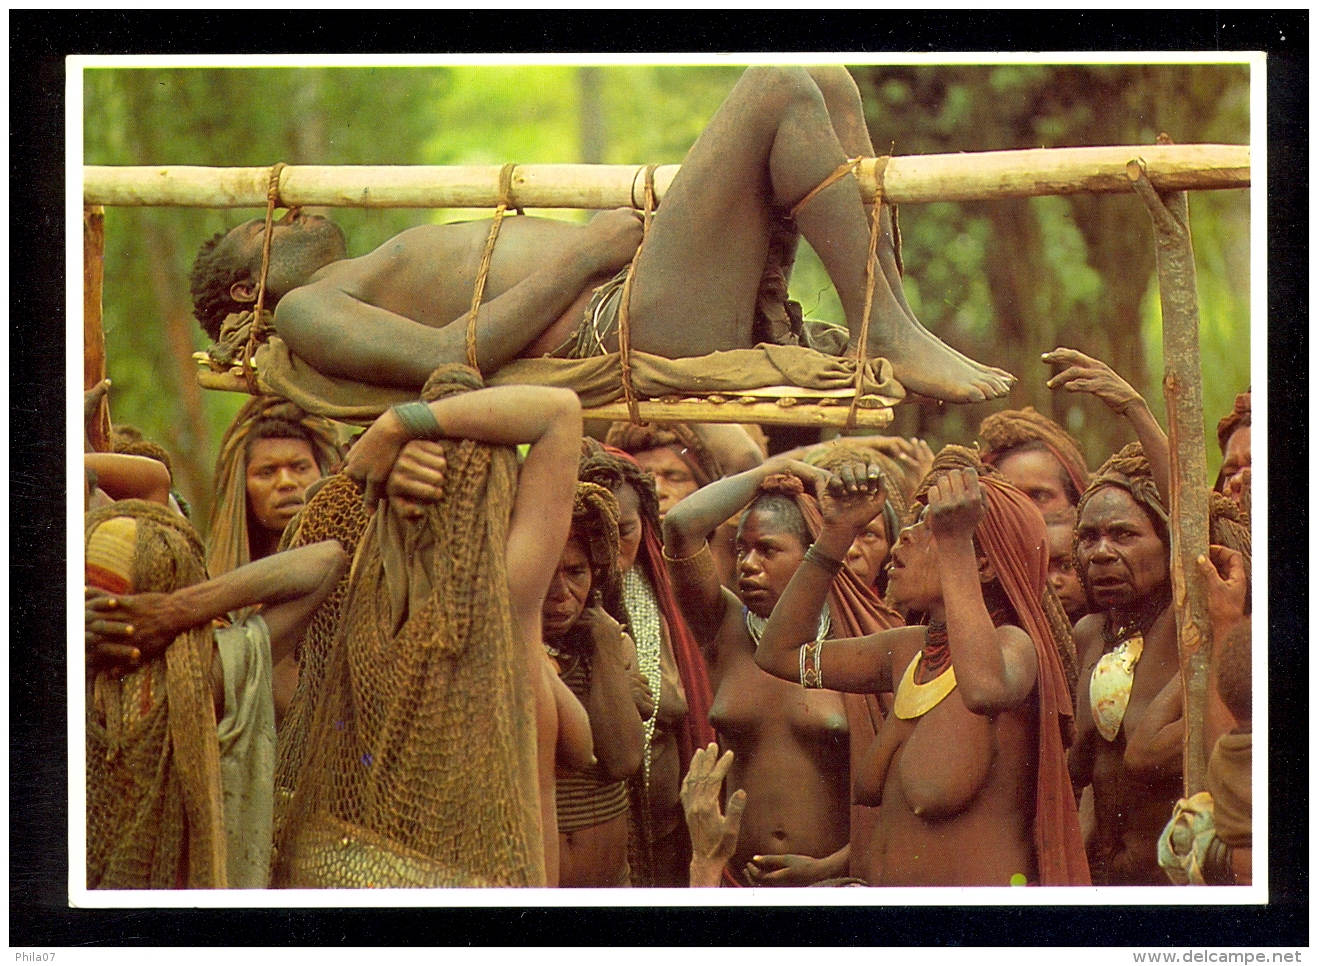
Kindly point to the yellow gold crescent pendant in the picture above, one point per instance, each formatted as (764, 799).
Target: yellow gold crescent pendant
(913, 700)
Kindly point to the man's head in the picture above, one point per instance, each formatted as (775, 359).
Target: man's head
(281, 464)
(227, 271)
(1234, 436)
(634, 488)
(587, 573)
(1040, 458)
(1122, 548)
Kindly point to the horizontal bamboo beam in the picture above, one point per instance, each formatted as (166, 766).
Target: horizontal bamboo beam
(688, 410)
(908, 179)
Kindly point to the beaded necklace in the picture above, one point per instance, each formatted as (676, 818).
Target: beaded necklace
(755, 625)
(643, 611)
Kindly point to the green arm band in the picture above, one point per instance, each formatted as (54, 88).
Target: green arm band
(418, 420)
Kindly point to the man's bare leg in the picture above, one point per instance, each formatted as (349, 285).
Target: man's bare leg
(767, 146)
(847, 113)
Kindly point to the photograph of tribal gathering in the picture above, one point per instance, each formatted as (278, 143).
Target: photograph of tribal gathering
(486, 488)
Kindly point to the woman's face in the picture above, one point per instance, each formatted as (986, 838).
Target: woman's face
(1235, 461)
(672, 477)
(569, 592)
(869, 552)
(914, 584)
(629, 527)
(1038, 475)
(768, 553)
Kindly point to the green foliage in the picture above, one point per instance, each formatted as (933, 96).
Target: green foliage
(1004, 281)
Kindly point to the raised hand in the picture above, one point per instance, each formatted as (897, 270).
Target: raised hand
(854, 496)
(913, 455)
(1085, 374)
(1224, 573)
(713, 834)
(417, 478)
(956, 504)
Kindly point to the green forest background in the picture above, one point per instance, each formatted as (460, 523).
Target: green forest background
(1002, 281)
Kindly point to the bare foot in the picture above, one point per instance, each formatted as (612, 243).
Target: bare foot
(1000, 379)
(924, 364)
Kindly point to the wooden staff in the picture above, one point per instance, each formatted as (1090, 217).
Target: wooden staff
(911, 179)
(1188, 518)
(93, 332)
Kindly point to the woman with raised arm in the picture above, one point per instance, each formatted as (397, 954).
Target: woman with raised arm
(968, 771)
(793, 748)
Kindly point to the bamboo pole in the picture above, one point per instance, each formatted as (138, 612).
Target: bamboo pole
(1188, 518)
(93, 330)
(908, 179)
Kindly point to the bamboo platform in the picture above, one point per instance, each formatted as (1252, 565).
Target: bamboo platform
(776, 406)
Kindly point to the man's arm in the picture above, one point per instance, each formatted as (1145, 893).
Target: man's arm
(291, 585)
(731, 445)
(326, 324)
(1088, 648)
(549, 420)
(1158, 740)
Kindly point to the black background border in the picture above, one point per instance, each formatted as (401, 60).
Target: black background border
(39, 41)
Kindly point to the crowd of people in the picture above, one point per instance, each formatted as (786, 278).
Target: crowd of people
(477, 645)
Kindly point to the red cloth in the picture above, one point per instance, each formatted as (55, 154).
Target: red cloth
(1079, 475)
(1014, 537)
(696, 731)
(856, 611)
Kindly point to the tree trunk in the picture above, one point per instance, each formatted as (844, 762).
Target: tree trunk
(93, 331)
(590, 85)
(1188, 518)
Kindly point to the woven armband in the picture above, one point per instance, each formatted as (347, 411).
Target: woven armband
(695, 569)
(822, 560)
(418, 420)
(811, 674)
